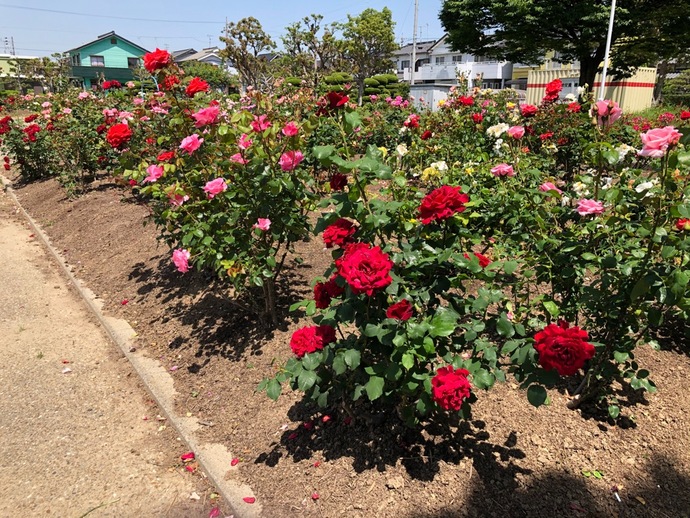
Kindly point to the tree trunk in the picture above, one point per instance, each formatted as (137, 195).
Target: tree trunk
(360, 91)
(662, 70)
(589, 66)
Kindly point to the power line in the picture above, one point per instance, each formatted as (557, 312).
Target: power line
(108, 16)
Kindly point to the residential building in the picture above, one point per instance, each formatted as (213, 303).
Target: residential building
(11, 73)
(438, 64)
(208, 55)
(108, 57)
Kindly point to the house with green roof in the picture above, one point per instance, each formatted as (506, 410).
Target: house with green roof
(109, 57)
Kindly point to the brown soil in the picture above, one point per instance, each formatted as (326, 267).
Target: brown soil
(511, 460)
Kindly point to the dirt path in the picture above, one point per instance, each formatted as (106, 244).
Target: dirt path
(72, 413)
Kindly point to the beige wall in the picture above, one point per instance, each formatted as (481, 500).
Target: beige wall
(632, 94)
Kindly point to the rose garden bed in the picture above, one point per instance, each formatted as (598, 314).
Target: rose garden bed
(511, 459)
(391, 267)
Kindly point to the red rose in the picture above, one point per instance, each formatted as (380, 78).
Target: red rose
(484, 261)
(338, 182)
(365, 268)
(118, 135)
(400, 310)
(442, 203)
(546, 136)
(165, 156)
(156, 60)
(574, 107)
(195, 86)
(169, 82)
(683, 224)
(563, 348)
(336, 100)
(412, 121)
(6, 166)
(426, 135)
(339, 233)
(477, 118)
(466, 100)
(552, 90)
(450, 387)
(311, 338)
(528, 110)
(31, 118)
(6, 159)
(684, 115)
(324, 292)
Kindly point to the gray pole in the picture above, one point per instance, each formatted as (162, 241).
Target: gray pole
(602, 87)
(414, 41)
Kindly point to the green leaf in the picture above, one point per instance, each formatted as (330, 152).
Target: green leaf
(621, 356)
(510, 266)
(505, 327)
(614, 411)
(483, 379)
(323, 152)
(641, 287)
(374, 387)
(306, 380)
(552, 308)
(407, 361)
(311, 361)
(339, 366)
(443, 323)
(536, 395)
(352, 358)
(273, 389)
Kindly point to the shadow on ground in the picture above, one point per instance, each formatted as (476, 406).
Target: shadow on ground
(219, 323)
(498, 484)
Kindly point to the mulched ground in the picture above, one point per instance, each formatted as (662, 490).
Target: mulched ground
(510, 460)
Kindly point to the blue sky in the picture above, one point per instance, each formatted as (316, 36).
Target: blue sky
(41, 27)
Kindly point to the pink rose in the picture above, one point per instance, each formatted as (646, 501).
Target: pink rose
(176, 200)
(656, 141)
(516, 132)
(260, 123)
(503, 170)
(215, 187)
(548, 186)
(154, 173)
(191, 143)
(180, 258)
(607, 112)
(238, 159)
(262, 224)
(245, 142)
(586, 207)
(290, 159)
(206, 116)
(291, 129)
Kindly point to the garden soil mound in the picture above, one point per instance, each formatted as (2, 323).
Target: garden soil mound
(509, 460)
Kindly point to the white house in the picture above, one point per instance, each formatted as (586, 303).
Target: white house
(437, 63)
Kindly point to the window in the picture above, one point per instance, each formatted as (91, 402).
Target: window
(440, 60)
(76, 60)
(113, 41)
(457, 59)
(404, 64)
(97, 61)
(132, 62)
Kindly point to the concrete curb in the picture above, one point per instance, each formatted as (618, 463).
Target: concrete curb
(214, 458)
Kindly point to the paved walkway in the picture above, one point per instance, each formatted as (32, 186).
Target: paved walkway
(73, 439)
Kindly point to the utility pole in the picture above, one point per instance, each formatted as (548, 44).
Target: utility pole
(414, 41)
(602, 87)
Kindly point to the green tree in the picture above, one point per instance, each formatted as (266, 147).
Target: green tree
(216, 76)
(312, 50)
(369, 43)
(244, 43)
(645, 31)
